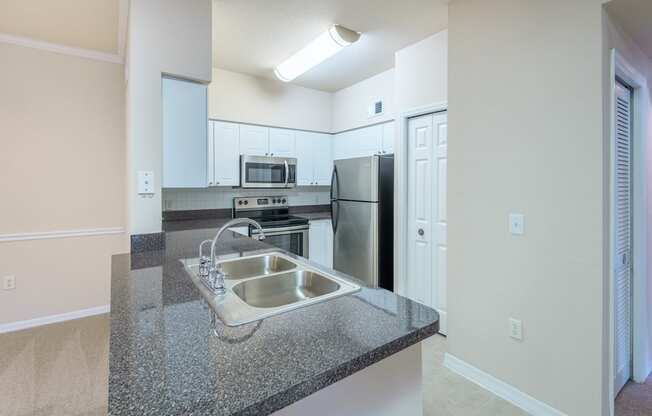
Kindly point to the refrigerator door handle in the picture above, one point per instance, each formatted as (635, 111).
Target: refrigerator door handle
(334, 183)
(334, 215)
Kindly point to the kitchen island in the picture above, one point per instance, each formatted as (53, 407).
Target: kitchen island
(168, 357)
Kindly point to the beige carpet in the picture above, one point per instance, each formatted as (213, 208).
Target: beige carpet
(635, 399)
(62, 369)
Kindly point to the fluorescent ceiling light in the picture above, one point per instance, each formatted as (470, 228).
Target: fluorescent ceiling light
(326, 45)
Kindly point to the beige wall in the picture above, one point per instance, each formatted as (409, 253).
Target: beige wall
(243, 98)
(526, 135)
(422, 73)
(351, 104)
(62, 167)
(78, 23)
(165, 37)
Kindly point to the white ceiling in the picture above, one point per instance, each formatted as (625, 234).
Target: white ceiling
(635, 17)
(253, 36)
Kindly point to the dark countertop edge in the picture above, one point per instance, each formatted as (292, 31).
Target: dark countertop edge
(226, 213)
(305, 388)
(204, 219)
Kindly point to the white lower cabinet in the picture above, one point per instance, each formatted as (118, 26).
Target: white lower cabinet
(321, 242)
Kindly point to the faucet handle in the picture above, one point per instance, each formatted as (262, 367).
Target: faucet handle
(216, 280)
(204, 266)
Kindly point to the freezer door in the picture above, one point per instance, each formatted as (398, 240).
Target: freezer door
(356, 179)
(355, 249)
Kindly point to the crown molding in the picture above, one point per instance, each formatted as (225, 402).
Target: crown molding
(61, 49)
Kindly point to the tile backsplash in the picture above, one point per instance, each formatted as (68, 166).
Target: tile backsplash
(178, 199)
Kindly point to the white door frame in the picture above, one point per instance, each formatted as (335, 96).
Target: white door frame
(400, 194)
(622, 69)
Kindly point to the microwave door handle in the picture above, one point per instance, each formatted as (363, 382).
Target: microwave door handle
(287, 172)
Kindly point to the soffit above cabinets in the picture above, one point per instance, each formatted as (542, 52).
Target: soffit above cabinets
(254, 36)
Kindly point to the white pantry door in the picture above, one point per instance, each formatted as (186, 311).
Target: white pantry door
(622, 221)
(426, 252)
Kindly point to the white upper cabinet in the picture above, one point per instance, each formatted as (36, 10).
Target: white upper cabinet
(223, 154)
(282, 142)
(366, 141)
(304, 153)
(266, 141)
(314, 158)
(323, 159)
(254, 140)
(388, 138)
(185, 133)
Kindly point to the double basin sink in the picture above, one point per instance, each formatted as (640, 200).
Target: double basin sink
(268, 284)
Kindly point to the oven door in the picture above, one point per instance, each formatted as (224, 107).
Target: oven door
(268, 172)
(292, 239)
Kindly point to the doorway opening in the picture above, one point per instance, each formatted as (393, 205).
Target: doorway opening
(628, 309)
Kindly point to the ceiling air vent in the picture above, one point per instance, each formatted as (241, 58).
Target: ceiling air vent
(376, 108)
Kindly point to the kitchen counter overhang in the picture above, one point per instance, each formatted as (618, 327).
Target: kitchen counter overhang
(168, 358)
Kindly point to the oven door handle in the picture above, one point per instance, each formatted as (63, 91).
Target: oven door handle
(287, 173)
(282, 230)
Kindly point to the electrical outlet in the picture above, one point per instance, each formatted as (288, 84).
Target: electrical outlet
(517, 224)
(9, 283)
(516, 329)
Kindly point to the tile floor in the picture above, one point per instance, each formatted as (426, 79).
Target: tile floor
(62, 369)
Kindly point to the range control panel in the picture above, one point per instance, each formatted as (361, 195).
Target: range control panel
(260, 202)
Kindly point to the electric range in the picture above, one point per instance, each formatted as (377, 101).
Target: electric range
(281, 229)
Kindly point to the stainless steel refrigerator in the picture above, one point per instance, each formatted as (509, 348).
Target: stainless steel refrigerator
(362, 210)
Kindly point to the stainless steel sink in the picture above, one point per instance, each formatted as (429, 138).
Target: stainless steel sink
(284, 289)
(268, 284)
(255, 266)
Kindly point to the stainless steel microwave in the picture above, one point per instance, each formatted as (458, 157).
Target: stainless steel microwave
(268, 172)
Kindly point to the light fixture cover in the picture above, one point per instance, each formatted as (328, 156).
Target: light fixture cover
(316, 52)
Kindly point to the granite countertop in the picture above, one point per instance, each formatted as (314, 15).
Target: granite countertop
(167, 358)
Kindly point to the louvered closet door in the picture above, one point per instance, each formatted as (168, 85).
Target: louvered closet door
(622, 212)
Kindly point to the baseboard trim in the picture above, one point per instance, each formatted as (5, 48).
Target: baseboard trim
(60, 234)
(45, 320)
(501, 389)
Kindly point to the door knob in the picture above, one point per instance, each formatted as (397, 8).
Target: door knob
(421, 232)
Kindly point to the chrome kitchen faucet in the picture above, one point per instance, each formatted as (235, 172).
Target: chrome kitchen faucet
(209, 271)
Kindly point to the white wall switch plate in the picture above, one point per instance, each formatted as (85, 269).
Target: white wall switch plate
(145, 182)
(516, 329)
(517, 224)
(9, 283)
